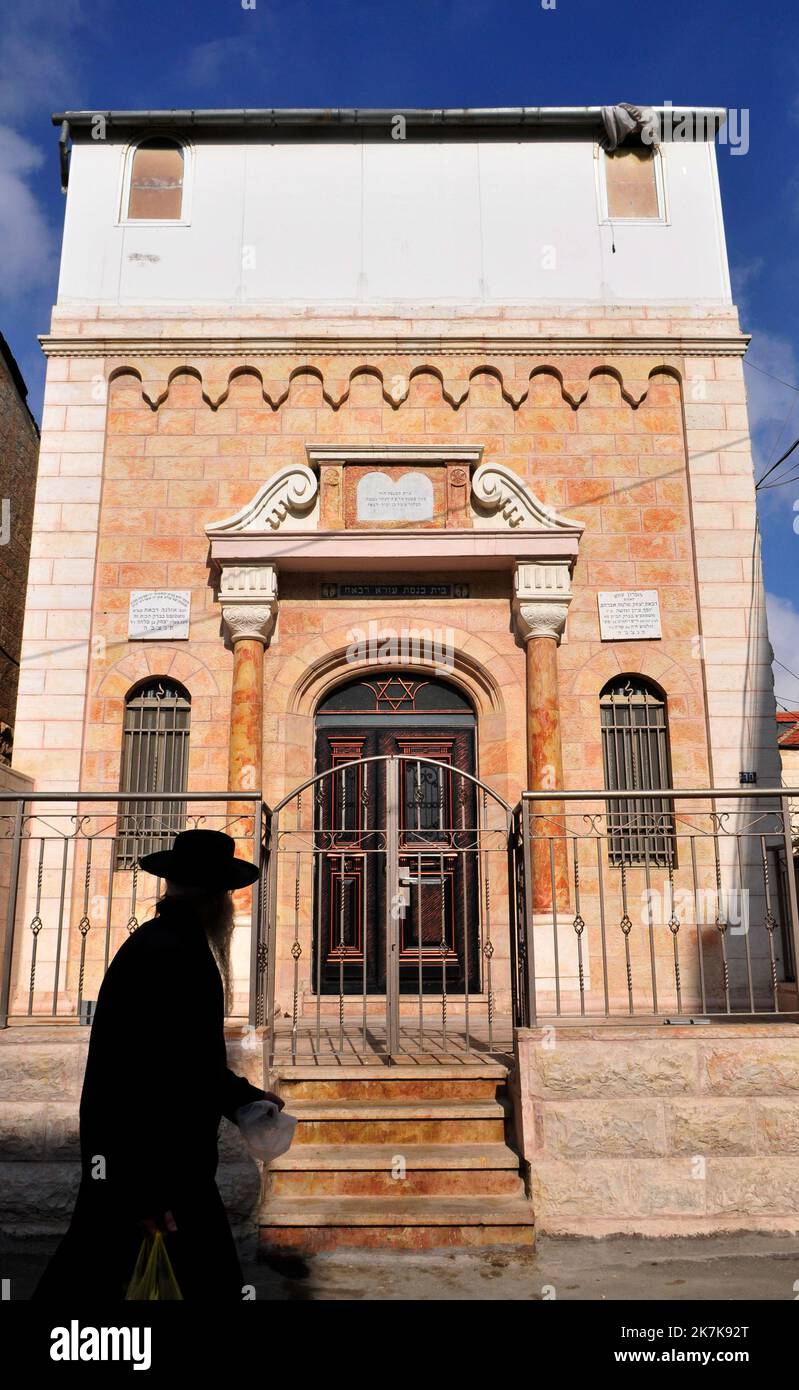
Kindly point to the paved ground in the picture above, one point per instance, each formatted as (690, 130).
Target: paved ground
(755, 1267)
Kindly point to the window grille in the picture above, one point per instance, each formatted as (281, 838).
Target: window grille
(635, 751)
(155, 756)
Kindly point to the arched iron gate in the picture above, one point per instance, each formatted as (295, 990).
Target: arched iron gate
(390, 915)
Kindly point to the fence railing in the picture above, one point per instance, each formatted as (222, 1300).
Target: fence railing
(69, 895)
(674, 905)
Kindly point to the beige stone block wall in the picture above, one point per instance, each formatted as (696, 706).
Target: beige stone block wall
(650, 1131)
(734, 646)
(41, 1076)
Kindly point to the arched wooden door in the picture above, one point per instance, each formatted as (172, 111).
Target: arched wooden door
(431, 726)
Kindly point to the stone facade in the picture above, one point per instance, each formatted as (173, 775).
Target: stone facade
(623, 1132)
(19, 442)
(663, 486)
(185, 434)
(623, 417)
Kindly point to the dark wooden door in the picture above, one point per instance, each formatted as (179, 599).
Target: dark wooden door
(436, 901)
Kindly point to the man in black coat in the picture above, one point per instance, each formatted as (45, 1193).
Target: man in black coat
(155, 1087)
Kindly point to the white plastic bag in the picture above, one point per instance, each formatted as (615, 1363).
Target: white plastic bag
(267, 1131)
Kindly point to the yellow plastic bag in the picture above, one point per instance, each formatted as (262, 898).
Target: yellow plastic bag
(153, 1277)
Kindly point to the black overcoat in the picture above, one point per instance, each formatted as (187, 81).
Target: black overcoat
(155, 1087)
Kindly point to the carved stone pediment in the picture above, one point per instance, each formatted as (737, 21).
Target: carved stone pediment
(492, 496)
(501, 497)
(289, 500)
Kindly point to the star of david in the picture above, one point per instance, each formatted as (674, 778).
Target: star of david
(395, 701)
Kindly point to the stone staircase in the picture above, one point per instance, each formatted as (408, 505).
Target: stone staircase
(406, 1157)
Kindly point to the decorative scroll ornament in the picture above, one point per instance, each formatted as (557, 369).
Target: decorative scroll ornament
(289, 495)
(498, 490)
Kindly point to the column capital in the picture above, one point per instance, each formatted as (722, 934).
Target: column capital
(542, 593)
(248, 595)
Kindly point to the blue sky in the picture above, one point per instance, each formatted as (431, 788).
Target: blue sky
(97, 54)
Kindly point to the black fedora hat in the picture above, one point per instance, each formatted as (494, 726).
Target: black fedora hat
(205, 858)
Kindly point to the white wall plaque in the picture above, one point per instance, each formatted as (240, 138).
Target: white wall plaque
(627, 614)
(381, 498)
(159, 613)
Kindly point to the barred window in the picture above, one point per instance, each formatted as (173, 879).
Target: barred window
(155, 755)
(635, 752)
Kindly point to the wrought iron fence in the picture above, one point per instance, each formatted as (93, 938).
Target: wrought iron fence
(705, 927)
(68, 897)
(437, 917)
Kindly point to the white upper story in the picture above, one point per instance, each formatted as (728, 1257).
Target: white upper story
(325, 209)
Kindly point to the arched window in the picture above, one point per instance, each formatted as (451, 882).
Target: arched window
(635, 752)
(155, 757)
(155, 191)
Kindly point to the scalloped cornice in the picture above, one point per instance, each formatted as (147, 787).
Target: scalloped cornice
(454, 379)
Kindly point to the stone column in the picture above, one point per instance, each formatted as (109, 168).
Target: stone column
(248, 594)
(542, 594)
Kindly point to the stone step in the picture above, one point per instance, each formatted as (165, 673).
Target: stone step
(379, 1071)
(369, 1170)
(308, 1224)
(397, 1122)
(416, 1156)
(405, 1083)
(432, 1182)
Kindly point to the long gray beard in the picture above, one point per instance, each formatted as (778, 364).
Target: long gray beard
(216, 915)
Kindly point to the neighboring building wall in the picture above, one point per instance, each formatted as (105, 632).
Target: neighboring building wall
(19, 443)
(10, 781)
(788, 734)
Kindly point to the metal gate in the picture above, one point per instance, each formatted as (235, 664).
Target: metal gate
(390, 915)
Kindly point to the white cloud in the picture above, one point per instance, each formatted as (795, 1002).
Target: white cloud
(27, 242)
(783, 631)
(208, 62)
(770, 400)
(742, 273)
(773, 416)
(38, 71)
(37, 56)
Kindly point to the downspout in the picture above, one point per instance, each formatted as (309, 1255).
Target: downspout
(63, 155)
